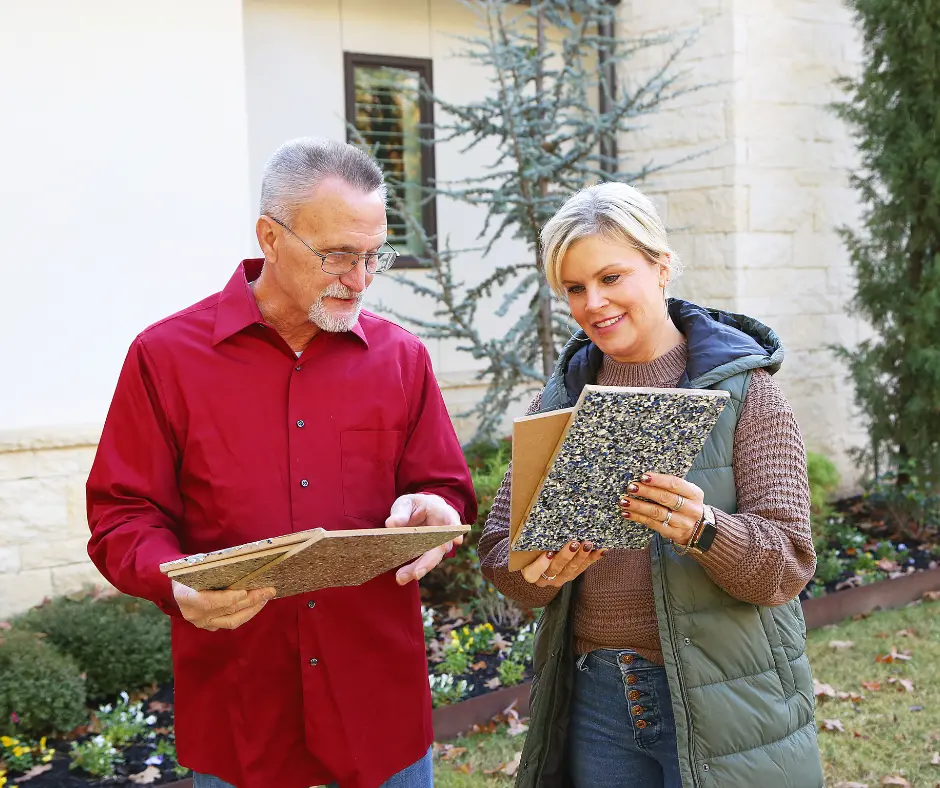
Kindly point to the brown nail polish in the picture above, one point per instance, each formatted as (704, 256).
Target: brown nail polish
(645, 478)
(574, 547)
(587, 547)
(632, 488)
(625, 503)
(550, 555)
(604, 552)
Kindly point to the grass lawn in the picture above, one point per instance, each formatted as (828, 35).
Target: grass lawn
(883, 730)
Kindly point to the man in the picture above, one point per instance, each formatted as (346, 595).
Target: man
(272, 407)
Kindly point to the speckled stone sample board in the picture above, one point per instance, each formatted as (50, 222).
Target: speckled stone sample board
(613, 436)
(309, 560)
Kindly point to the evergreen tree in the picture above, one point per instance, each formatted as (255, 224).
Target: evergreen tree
(555, 115)
(893, 111)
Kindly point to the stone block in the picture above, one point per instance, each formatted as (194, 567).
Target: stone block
(22, 590)
(49, 553)
(68, 579)
(815, 249)
(708, 286)
(704, 210)
(835, 207)
(77, 514)
(9, 560)
(780, 209)
(714, 251)
(32, 509)
(783, 283)
(763, 250)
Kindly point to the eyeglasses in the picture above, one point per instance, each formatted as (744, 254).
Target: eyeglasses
(339, 263)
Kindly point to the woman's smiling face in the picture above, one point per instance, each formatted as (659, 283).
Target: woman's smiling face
(616, 295)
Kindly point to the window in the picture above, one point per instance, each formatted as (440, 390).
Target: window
(384, 104)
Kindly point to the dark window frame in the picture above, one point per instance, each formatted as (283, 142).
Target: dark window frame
(424, 68)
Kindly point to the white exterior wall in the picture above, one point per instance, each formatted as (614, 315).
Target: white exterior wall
(124, 197)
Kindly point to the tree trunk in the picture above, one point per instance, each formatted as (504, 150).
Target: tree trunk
(546, 333)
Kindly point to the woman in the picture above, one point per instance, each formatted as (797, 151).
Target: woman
(682, 665)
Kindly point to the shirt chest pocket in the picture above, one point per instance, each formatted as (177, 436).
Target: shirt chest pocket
(370, 460)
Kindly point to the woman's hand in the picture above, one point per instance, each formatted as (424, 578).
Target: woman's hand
(556, 569)
(677, 508)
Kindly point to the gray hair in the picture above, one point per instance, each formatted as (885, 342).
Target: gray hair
(299, 165)
(614, 211)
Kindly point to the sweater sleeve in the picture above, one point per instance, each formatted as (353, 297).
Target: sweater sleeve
(493, 548)
(764, 554)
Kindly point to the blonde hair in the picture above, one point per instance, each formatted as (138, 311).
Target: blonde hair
(615, 211)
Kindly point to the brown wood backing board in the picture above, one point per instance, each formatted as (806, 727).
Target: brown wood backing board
(327, 559)
(613, 435)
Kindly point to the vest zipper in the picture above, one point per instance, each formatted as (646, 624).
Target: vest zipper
(675, 654)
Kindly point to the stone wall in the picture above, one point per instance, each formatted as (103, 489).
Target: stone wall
(755, 217)
(43, 530)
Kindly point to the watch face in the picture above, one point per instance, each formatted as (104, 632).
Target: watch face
(709, 531)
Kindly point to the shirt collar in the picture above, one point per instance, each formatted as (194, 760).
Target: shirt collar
(238, 309)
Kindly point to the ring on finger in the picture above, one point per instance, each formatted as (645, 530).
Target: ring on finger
(679, 502)
(546, 577)
(668, 518)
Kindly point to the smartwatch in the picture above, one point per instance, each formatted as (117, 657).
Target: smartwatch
(706, 533)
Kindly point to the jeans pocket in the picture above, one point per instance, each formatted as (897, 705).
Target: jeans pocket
(581, 664)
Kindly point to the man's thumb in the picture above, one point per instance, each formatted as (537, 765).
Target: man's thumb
(401, 512)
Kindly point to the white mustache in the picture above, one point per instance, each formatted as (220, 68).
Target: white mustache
(339, 290)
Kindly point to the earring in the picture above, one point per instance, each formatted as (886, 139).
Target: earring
(665, 303)
(568, 326)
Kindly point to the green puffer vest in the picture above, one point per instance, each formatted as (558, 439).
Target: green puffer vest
(740, 681)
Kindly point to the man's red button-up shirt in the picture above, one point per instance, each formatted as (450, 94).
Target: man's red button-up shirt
(217, 435)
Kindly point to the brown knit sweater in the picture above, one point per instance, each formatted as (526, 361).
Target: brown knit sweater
(763, 554)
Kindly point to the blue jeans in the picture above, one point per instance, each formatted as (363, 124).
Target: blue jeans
(622, 729)
(418, 775)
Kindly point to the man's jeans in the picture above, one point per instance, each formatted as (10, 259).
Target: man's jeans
(418, 775)
(622, 730)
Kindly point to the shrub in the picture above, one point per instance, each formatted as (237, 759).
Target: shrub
(39, 687)
(124, 722)
(120, 643)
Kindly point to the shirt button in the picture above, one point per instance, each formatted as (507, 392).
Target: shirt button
(314, 662)
(304, 483)
(300, 422)
(311, 604)
(626, 659)
(298, 368)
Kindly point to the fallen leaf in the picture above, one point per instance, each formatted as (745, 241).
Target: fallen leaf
(823, 690)
(932, 596)
(832, 725)
(449, 752)
(887, 565)
(850, 785)
(906, 633)
(841, 644)
(906, 684)
(894, 656)
(513, 766)
(895, 779)
(145, 777)
(500, 643)
(493, 683)
(873, 686)
(858, 735)
(157, 706)
(34, 772)
(935, 760)
(478, 665)
(466, 768)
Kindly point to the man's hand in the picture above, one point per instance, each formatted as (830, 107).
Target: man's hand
(422, 509)
(214, 610)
